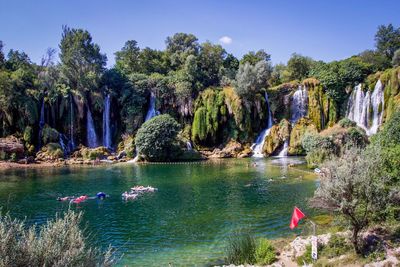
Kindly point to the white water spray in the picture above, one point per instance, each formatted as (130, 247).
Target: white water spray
(257, 147)
(106, 123)
(90, 131)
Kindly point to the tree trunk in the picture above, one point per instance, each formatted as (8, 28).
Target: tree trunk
(354, 239)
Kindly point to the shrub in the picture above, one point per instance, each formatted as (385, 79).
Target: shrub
(157, 140)
(59, 242)
(265, 253)
(336, 246)
(241, 249)
(305, 258)
(94, 153)
(13, 157)
(347, 123)
(316, 157)
(28, 134)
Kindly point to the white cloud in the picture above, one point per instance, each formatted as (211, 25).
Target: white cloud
(225, 40)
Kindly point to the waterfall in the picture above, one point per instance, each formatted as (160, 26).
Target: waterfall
(90, 131)
(61, 138)
(257, 147)
(106, 123)
(41, 123)
(284, 150)
(366, 109)
(71, 142)
(377, 103)
(299, 104)
(151, 112)
(189, 145)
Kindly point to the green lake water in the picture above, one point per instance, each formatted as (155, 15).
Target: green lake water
(186, 222)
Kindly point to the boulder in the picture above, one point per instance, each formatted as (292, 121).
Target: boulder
(276, 138)
(86, 153)
(50, 152)
(11, 145)
(302, 126)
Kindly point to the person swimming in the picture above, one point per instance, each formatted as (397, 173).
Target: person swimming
(101, 195)
(65, 198)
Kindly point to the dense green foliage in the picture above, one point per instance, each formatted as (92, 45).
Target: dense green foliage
(57, 243)
(156, 140)
(219, 96)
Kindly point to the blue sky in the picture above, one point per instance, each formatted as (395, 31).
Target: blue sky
(324, 30)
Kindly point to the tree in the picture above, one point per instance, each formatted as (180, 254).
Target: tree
(156, 140)
(299, 66)
(127, 60)
(349, 185)
(377, 60)
(211, 61)
(387, 40)
(2, 58)
(250, 79)
(253, 57)
(81, 61)
(180, 46)
(396, 58)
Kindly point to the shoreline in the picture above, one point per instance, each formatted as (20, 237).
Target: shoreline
(6, 165)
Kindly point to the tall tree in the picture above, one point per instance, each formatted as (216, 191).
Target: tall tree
(387, 40)
(211, 61)
(299, 66)
(2, 58)
(127, 60)
(180, 46)
(254, 57)
(81, 61)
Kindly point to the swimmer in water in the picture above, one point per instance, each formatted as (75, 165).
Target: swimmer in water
(65, 198)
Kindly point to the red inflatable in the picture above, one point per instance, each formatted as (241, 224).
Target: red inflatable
(80, 199)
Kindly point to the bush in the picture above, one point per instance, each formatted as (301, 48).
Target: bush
(157, 140)
(13, 157)
(347, 123)
(336, 246)
(241, 249)
(94, 153)
(59, 242)
(265, 253)
(28, 135)
(305, 258)
(315, 157)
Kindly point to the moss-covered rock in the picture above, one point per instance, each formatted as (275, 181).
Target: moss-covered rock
(302, 127)
(49, 135)
(127, 146)
(391, 81)
(279, 99)
(86, 153)
(276, 138)
(221, 115)
(322, 110)
(50, 152)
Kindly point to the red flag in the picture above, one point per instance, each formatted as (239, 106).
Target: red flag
(296, 217)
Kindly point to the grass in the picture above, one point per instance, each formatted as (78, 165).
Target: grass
(59, 242)
(243, 248)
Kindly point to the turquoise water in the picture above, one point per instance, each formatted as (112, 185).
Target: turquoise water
(185, 223)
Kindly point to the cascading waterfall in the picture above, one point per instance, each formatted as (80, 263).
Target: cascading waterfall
(284, 150)
(299, 104)
(71, 142)
(257, 147)
(151, 112)
(41, 123)
(62, 143)
(366, 109)
(189, 145)
(90, 131)
(106, 123)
